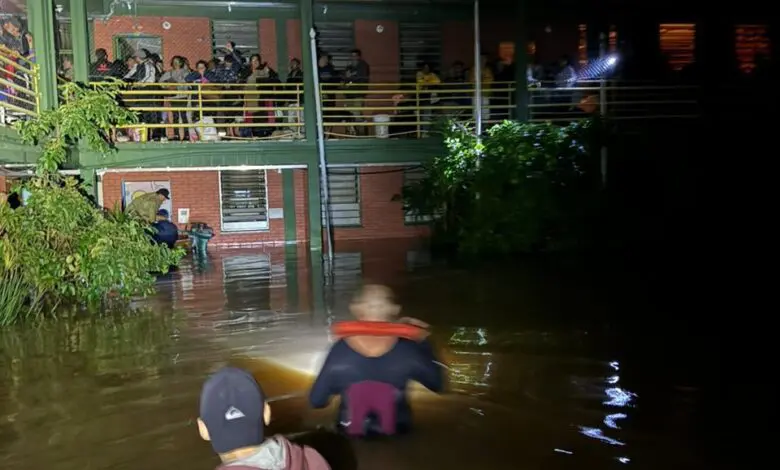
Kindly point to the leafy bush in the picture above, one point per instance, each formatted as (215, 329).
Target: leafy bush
(525, 187)
(59, 246)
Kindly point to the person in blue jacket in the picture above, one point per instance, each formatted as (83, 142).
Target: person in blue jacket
(370, 373)
(165, 231)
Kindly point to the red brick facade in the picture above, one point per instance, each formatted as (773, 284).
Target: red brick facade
(199, 192)
(191, 38)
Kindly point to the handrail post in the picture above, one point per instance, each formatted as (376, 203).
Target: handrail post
(200, 110)
(417, 108)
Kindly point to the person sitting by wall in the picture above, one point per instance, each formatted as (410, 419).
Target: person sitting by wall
(370, 366)
(166, 232)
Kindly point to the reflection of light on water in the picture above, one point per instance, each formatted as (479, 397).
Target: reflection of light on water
(597, 433)
(609, 420)
(616, 397)
(467, 372)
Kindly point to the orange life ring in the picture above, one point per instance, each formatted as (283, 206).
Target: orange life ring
(346, 329)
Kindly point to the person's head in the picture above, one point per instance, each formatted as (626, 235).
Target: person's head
(163, 195)
(162, 214)
(201, 67)
(131, 61)
(356, 56)
(324, 60)
(177, 62)
(483, 60)
(101, 55)
(424, 67)
(227, 62)
(212, 64)
(12, 26)
(233, 411)
(295, 64)
(374, 303)
(255, 61)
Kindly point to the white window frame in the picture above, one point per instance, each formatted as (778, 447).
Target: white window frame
(239, 227)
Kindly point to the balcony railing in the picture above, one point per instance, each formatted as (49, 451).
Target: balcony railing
(19, 97)
(242, 112)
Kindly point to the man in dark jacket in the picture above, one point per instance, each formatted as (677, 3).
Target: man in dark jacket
(166, 232)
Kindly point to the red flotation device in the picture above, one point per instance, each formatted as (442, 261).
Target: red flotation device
(346, 329)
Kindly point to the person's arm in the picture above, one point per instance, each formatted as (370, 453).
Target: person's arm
(427, 369)
(325, 384)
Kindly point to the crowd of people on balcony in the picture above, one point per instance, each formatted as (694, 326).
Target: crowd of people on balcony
(16, 43)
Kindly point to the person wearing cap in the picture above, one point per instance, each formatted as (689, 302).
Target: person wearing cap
(372, 372)
(166, 232)
(145, 207)
(233, 415)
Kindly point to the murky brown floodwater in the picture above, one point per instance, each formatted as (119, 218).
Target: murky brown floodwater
(537, 375)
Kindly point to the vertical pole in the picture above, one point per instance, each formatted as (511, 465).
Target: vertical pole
(521, 63)
(40, 18)
(309, 112)
(603, 106)
(477, 73)
(79, 30)
(321, 152)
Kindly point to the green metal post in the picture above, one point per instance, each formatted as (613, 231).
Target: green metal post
(79, 31)
(521, 63)
(309, 110)
(40, 18)
(288, 204)
(315, 203)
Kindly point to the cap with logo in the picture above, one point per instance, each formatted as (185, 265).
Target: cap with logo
(231, 407)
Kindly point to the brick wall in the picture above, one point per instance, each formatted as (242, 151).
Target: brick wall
(199, 191)
(294, 48)
(268, 33)
(380, 216)
(457, 39)
(187, 37)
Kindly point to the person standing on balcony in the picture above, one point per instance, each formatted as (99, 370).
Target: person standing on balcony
(258, 76)
(486, 83)
(226, 73)
(329, 77)
(101, 68)
(427, 82)
(356, 78)
(143, 71)
(178, 74)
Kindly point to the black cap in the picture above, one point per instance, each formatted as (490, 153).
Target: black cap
(164, 193)
(232, 406)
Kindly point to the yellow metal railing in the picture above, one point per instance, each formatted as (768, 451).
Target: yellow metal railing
(394, 110)
(212, 111)
(19, 98)
(408, 110)
(620, 100)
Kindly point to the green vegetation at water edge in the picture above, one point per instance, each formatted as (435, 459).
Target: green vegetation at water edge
(59, 248)
(525, 187)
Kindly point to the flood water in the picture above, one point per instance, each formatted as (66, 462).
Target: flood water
(551, 365)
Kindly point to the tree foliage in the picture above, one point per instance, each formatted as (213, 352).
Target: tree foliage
(59, 245)
(524, 187)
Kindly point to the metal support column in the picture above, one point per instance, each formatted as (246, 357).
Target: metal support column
(309, 109)
(40, 19)
(79, 31)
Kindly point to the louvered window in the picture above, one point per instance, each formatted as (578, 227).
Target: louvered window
(412, 176)
(420, 42)
(244, 201)
(678, 44)
(344, 192)
(245, 34)
(752, 44)
(336, 39)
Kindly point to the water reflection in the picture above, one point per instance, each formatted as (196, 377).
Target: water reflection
(121, 393)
